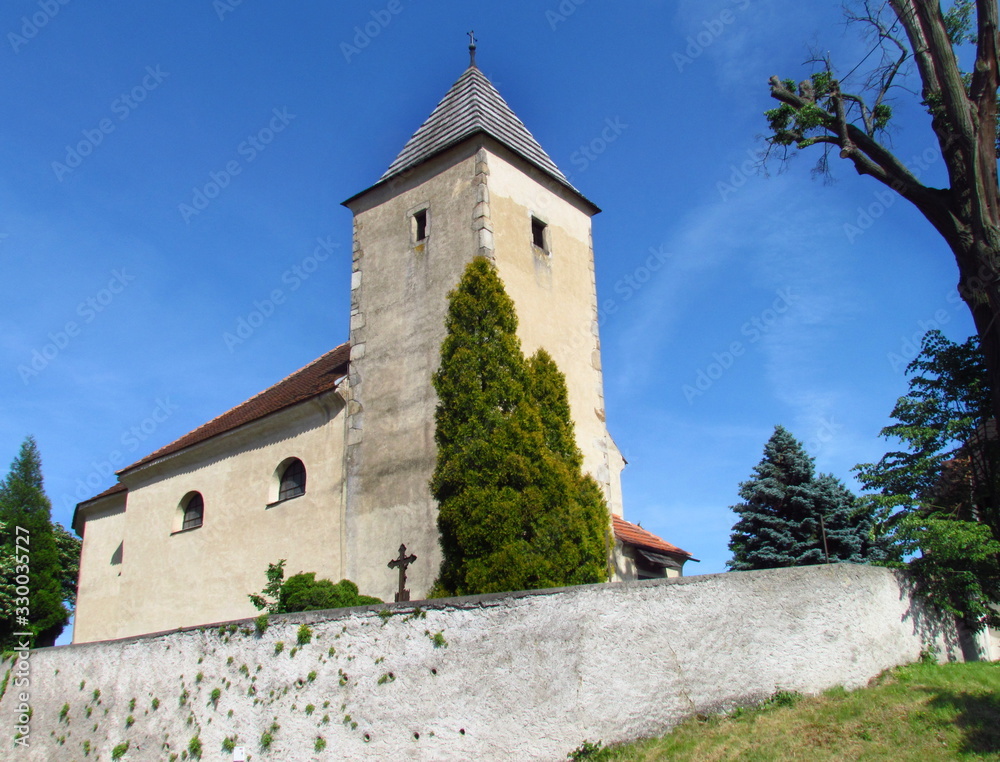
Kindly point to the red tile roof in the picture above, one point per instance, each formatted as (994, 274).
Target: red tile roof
(109, 491)
(321, 375)
(633, 534)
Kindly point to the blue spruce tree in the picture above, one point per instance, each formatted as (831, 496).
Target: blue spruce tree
(789, 517)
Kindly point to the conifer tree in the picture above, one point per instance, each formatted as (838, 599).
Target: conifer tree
(52, 555)
(787, 512)
(515, 512)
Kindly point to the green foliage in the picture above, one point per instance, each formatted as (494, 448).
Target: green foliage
(267, 738)
(779, 521)
(268, 597)
(937, 498)
(260, 624)
(214, 696)
(515, 512)
(129, 721)
(155, 704)
(320, 744)
(593, 752)
(303, 592)
(194, 747)
(958, 21)
(304, 634)
(437, 639)
(229, 744)
(119, 751)
(52, 554)
(279, 647)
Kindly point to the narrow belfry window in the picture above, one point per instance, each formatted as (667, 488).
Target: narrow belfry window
(419, 226)
(538, 233)
(293, 481)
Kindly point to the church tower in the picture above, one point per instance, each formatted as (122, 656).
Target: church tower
(471, 181)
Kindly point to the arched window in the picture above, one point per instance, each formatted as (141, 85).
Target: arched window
(194, 511)
(293, 480)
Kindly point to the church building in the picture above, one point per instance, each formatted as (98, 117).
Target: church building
(329, 468)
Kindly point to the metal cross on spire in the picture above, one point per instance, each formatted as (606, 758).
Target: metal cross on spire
(472, 49)
(402, 562)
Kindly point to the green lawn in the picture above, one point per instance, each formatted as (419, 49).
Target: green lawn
(918, 712)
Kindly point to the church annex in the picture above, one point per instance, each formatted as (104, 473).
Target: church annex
(329, 468)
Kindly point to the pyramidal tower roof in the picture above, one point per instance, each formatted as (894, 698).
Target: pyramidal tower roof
(472, 106)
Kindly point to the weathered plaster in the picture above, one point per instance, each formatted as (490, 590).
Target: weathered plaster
(521, 676)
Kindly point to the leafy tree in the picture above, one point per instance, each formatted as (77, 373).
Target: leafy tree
(303, 592)
(947, 461)
(851, 115)
(515, 511)
(937, 497)
(52, 554)
(787, 513)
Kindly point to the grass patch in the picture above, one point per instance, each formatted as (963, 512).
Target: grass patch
(918, 712)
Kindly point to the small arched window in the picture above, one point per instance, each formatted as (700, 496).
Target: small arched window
(293, 480)
(194, 511)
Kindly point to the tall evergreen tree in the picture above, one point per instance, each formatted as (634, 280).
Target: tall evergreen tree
(52, 553)
(791, 518)
(515, 512)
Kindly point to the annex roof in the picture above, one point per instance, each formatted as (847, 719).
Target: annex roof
(633, 534)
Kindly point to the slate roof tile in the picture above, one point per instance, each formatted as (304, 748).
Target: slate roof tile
(472, 105)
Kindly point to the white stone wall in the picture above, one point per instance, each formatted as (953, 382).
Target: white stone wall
(520, 676)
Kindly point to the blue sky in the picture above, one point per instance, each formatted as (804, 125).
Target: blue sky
(732, 301)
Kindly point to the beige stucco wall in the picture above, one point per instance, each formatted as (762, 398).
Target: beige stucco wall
(101, 558)
(556, 299)
(172, 579)
(523, 676)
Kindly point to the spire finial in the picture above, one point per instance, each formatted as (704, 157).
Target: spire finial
(472, 49)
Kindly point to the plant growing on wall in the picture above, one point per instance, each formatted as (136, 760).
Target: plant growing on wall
(515, 511)
(789, 517)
